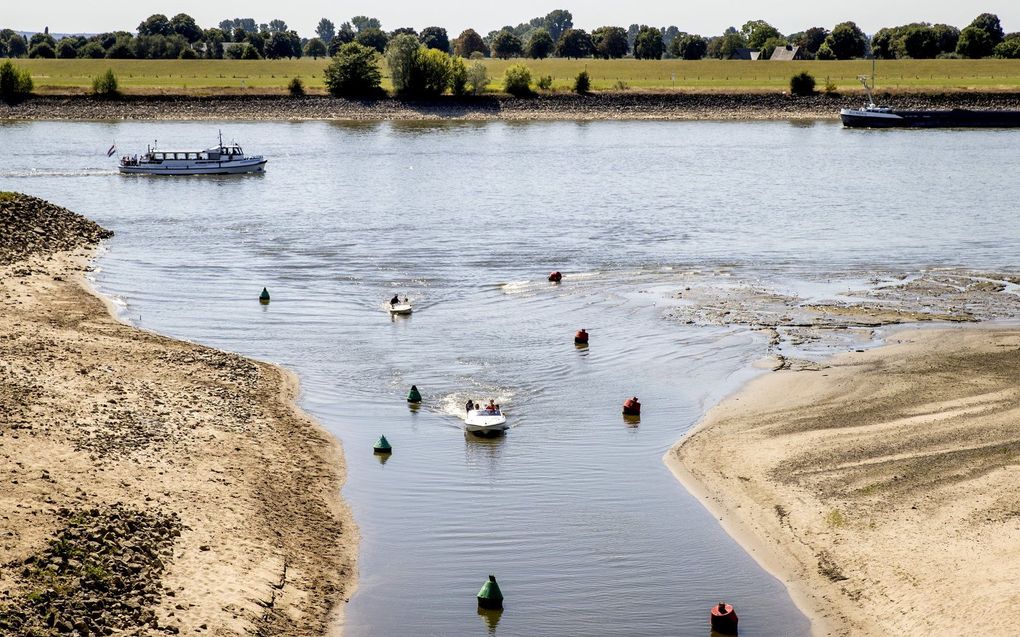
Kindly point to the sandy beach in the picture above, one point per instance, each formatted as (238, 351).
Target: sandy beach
(879, 486)
(630, 105)
(151, 486)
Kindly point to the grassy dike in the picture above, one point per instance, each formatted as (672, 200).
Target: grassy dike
(257, 77)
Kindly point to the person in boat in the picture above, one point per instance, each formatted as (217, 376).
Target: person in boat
(395, 300)
(469, 406)
(491, 407)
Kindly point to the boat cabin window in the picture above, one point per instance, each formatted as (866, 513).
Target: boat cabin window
(157, 156)
(192, 155)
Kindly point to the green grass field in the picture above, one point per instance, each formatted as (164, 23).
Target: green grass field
(271, 76)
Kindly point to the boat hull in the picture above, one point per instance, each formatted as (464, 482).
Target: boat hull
(956, 118)
(212, 168)
(479, 423)
(401, 310)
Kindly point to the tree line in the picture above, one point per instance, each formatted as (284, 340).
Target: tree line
(552, 35)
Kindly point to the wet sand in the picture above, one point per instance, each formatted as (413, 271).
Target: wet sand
(880, 485)
(630, 105)
(151, 486)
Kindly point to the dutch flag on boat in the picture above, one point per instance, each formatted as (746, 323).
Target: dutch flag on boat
(112, 150)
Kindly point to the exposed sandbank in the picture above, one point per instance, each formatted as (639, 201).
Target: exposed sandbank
(151, 485)
(879, 487)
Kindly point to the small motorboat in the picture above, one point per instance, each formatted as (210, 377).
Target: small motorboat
(401, 308)
(485, 421)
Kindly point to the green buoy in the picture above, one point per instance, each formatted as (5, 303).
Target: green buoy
(414, 396)
(264, 297)
(382, 445)
(490, 597)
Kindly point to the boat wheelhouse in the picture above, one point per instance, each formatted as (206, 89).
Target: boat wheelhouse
(224, 159)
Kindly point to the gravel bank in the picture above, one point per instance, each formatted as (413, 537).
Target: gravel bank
(150, 486)
(598, 106)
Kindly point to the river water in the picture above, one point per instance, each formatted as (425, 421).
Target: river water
(573, 510)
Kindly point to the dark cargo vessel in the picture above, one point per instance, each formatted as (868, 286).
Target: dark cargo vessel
(872, 116)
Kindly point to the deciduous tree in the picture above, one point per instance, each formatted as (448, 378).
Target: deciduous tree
(540, 44)
(757, 32)
(184, 25)
(468, 42)
(373, 37)
(557, 22)
(689, 47)
(847, 41)
(315, 49)
(648, 44)
(574, 43)
(156, 24)
(325, 30)
(610, 42)
(506, 45)
(435, 38)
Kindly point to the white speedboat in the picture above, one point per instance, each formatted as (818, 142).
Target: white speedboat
(225, 159)
(401, 308)
(485, 421)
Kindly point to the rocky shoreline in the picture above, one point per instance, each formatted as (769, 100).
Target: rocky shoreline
(150, 486)
(557, 106)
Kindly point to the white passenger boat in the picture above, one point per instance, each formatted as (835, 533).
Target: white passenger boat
(401, 308)
(485, 421)
(225, 159)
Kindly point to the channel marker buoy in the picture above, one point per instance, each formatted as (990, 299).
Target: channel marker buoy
(382, 445)
(490, 597)
(414, 396)
(631, 407)
(264, 297)
(724, 619)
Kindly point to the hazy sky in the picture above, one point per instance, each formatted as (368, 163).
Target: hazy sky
(707, 17)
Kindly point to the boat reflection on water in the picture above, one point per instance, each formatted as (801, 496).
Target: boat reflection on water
(491, 619)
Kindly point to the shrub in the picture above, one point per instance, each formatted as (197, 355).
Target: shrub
(458, 75)
(105, 85)
(802, 84)
(517, 80)
(187, 53)
(621, 85)
(430, 73)
(544, 82)
(830, 88)
(296, 87)
(478, 77)
(582, 83)
(354, 72)
(477, 55)
(15, 83)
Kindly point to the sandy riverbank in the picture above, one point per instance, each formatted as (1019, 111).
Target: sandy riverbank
(150, 486)
(634, 105)
(879, 487)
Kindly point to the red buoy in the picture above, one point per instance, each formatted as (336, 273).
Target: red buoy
(724, 619)
(581, 338)
(631, 407)
(555, 277)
